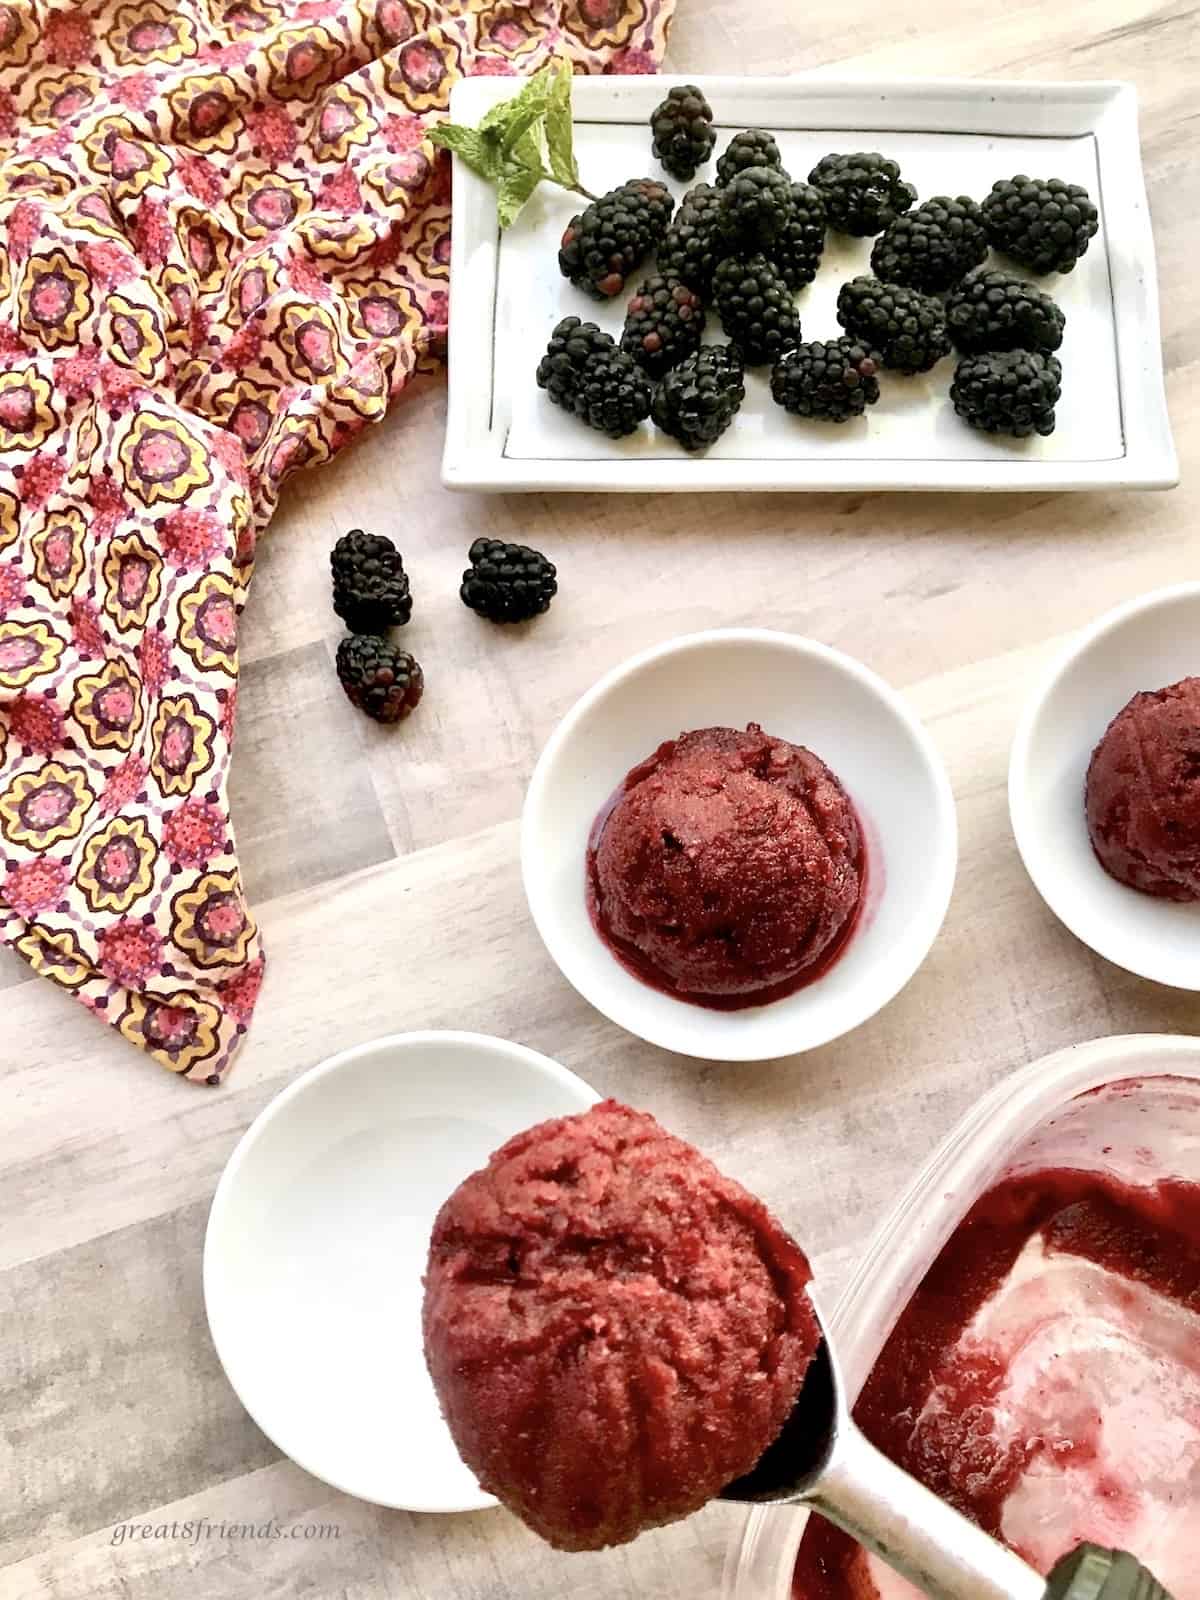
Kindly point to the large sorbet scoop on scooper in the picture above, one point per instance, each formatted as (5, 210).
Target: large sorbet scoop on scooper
(617, 1334)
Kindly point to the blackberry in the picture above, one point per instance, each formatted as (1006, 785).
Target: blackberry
(755, 205)
(864, 193)
(507, 582)
(663, 326)
(584, 372)
(830, 381)
(1044, 223)
(798, 249)
(611, 239)
(370, 586)
(753, 148)
(993, 310)
(683, 131)
(756, 309)
(1008, 391)
(379, 679)
(694, 244)
(906, 327)
(933, 246)
(698, 400)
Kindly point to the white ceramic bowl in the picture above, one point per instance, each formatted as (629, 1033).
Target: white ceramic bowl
(796, 689)
(317, 1240)
(1146, 644)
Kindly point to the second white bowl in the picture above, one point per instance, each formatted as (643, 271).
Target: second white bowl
(798, 690)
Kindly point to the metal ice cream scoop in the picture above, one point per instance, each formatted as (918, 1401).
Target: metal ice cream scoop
(822, 1461)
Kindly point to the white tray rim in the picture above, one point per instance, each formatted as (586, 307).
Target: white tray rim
(474, 458)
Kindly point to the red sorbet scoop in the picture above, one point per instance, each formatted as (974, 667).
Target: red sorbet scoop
(615, 1331)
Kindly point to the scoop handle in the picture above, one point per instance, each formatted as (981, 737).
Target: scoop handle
(1095, 1574)
(920, 1536)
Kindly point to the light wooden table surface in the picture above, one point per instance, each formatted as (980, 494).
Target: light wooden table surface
(384, 866)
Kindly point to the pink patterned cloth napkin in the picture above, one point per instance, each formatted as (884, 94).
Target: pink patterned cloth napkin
(224, 246)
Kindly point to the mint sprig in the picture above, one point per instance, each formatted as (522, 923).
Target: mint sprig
(522, 142)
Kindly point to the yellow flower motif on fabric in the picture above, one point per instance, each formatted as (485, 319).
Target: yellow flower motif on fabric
(18, 34)
(40, 809)
(146, 31)
(206, 112)
(508, 26)
(28, 175)
(420, 72)
(87, 442)
(253, 284)
(10, 518)
(175, 292)
(55, 299)
(117, 868)
(602, 24)
(61, 96)
(116, 150)
(336, 238)
(162, 460)
(93, 213)
(27, 415)
(58, 557)
(107, 705)
(132, 581)
(252, 16)
(182, 740)
(400, 180)
(27, 651)
(388, 23)
(365, 388)
(433, 245)
(178, 1030)
(302, 62)
(206, 246)
(208, 628)
(295, 444)
(265, 203)
(210, 922)
(133, 337)
(345, 122)
(57, 954)
(247, 409)
(312, 343)
(381, 310)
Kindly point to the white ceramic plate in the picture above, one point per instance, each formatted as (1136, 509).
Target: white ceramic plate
(317, 1241)
(951, 137)
(1147, 644)
(795, 689)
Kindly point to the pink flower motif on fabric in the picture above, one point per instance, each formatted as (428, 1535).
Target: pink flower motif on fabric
(194, 833)
(130, 952)
(124, 785)
(35, 886)
(37, 723)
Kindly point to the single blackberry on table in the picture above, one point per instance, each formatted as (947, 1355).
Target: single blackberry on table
(370, 586)
(907, 328)
(755, 206)
(864, 193)
(932, 247)
(753, 148)
(1044, 223)
(507, 582)
(610, 240)
(683, 131)
(1008, 391)
(756, 309)
(829, 381)
(994, 310)
(798, 249)
(379, 678)
(694, 244)
(583, 372)
(663, 325)
(697, 401)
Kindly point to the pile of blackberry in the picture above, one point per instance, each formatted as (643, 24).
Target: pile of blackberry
(371, 595)
(739, 250)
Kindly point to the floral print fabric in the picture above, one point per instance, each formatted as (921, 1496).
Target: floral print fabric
(224, 248)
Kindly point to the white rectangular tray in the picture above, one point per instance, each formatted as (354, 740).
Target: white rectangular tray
(950, 137)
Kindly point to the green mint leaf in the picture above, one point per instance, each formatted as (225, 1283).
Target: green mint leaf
(480, 153)
(516, 186)
(527, 104)
(560, 129)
